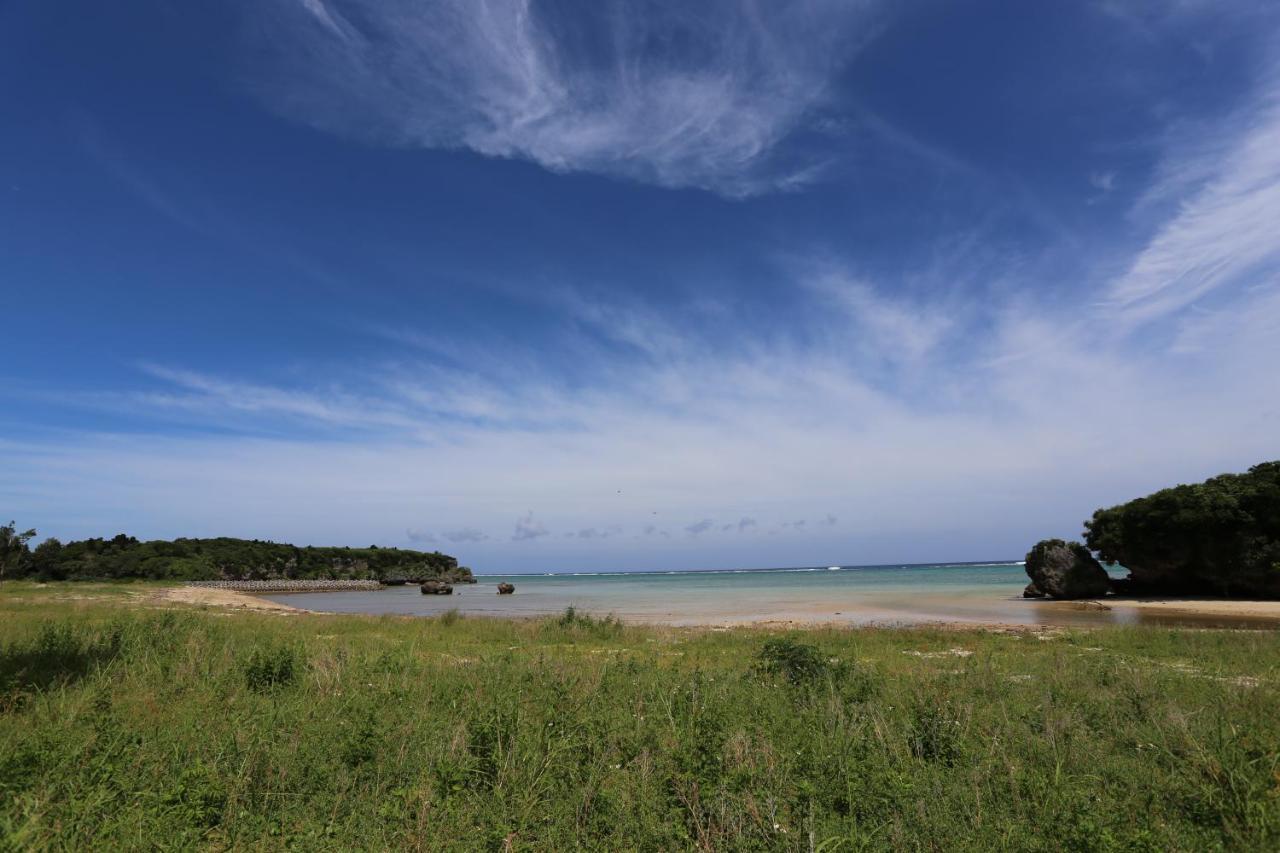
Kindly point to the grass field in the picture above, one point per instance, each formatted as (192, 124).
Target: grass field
(125, 727)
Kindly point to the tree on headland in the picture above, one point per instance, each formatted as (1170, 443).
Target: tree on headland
(1219, 537)
(14, 553)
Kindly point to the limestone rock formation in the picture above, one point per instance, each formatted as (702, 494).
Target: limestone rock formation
(1061, 569)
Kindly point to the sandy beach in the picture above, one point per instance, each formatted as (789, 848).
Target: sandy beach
(205, 597)
(1240, 609)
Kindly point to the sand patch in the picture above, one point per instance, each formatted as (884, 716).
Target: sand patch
(205, 597)
(1201, 606)
(949, 653)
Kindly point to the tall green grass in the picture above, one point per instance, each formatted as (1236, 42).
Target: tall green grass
(190, 729)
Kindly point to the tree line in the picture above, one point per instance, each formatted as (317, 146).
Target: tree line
(125, 557)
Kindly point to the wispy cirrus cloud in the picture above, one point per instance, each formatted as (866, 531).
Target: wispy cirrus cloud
(199, 393)
(1225, 186)
(769, 428)
(661, 92)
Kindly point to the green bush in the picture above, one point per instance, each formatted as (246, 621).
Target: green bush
(269, 667)
(798, 663)
(60, 653)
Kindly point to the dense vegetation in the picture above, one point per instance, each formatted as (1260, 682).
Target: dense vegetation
(121, 729)
(125, 557)
(1219, 537)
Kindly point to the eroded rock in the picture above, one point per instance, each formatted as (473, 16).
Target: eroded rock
(1061, 569)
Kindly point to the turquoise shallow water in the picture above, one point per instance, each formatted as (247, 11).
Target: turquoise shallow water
(904, 594)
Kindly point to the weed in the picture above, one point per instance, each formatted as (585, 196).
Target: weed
(573, 625)
(797, 662)
(269, 667)
(933, 732)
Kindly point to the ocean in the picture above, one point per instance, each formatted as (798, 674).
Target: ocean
(860, 595)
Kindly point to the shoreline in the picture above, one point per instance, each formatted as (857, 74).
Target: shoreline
(1194, 608)
(1189, 613)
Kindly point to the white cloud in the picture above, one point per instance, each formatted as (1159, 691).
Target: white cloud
(887, 328)
(658, 91)
(1224, 230)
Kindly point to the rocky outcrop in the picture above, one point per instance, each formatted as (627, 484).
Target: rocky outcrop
(436, 588)
(506, 588)
(461, 574)
(1032, 591)
(1061, 569)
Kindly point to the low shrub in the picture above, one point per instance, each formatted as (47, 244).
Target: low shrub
(576, 624)
(797, 662)
(269, 667)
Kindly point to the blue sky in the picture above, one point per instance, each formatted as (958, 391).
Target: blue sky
(561, 285)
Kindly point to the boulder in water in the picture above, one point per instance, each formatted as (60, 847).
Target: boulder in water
(1061, 569)
(436, 588)
(506, 588)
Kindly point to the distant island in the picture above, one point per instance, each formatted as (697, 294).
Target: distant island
(1218, 538)
(222, 559)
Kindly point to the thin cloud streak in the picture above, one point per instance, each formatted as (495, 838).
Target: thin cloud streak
(1225, 231)
(509, 78)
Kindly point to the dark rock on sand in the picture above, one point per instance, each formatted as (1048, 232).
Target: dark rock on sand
(506, 588)
(1032, 591)
(436, 588)
(1061, 569)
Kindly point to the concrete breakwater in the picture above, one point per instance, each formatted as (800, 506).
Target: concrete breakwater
(289, 585)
